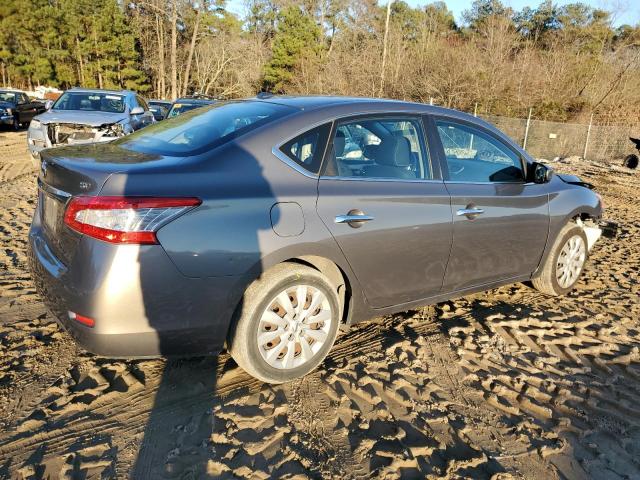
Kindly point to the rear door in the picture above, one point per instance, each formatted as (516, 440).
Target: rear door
(385, 204)
(500, 221)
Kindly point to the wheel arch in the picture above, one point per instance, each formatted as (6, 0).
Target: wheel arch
(338, 278)
(581, 212)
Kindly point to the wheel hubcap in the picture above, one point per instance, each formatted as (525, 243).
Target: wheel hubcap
(294, 327)
(570, 261)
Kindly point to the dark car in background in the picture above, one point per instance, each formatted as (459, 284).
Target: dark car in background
(159, 108)
(185, 104)
(17, 109)
(81, 116)
(250, 224)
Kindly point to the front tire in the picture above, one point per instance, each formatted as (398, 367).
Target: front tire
(286, 324)
(565, 263)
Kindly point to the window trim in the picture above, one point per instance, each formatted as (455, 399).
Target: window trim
(444, 166)
(436, 175)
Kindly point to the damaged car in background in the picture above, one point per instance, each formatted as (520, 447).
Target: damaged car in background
(83, 116)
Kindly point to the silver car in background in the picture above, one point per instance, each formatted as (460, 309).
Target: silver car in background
(83, 116)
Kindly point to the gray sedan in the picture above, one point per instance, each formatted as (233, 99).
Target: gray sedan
(265, 225)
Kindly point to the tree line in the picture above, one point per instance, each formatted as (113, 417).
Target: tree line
(564, 62)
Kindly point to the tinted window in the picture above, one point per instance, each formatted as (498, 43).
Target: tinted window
(203, 129)
(180, 108)
(90, 101)
(379, 148)
(159, 111)
(307, 149)
(475, 156)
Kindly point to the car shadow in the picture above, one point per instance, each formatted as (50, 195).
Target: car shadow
(176, 442)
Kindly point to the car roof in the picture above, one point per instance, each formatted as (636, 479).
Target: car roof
(100, 90)
(363, 105)
(312, 102)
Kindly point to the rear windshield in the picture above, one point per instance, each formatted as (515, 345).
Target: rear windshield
(90, 102)
(203, 128)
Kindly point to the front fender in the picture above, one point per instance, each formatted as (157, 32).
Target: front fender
(567, 202)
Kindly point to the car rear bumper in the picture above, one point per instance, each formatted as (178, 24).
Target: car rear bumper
(141, 304)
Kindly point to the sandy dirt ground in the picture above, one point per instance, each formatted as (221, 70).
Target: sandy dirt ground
(503, 384)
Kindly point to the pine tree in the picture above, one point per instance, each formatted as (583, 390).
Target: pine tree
(297, 37)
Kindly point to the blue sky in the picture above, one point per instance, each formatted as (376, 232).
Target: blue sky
(625, 11)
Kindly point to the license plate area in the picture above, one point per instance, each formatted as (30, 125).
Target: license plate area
(51, 210)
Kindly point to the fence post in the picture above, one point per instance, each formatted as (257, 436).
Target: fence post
(526, 130)
(430, 100)
(475, 110)
(586, 142)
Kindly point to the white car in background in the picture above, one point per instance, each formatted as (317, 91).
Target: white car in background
(83, 116)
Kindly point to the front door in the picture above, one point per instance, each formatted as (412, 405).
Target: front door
(500, 222)
(26, 109)
(386, 207)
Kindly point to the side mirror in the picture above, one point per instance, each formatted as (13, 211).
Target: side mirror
(137, 111)
(542, 173)
(48, 104)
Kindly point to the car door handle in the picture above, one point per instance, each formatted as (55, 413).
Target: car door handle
(469, 211)
(355, 218)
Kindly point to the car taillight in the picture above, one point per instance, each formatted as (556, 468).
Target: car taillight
(124, 219)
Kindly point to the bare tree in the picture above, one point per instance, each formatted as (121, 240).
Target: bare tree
(384, 47)
(174, 48)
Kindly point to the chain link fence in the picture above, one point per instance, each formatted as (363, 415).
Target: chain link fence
(554, 139)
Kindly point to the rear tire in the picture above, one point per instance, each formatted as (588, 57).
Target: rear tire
(286, 324)
(565, 263)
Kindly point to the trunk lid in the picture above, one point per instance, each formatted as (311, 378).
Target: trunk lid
(71, 171)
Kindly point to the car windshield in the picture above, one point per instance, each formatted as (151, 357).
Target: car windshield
(179, 108)
(91, 102)
(8, 97)
(203, 128)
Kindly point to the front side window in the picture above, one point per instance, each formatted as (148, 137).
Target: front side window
(390, 148)
(475, 156)
(307, 148)
(91, 102)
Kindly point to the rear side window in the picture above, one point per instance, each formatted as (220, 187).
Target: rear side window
(475, 156)
(307, 149)
(204, 128)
